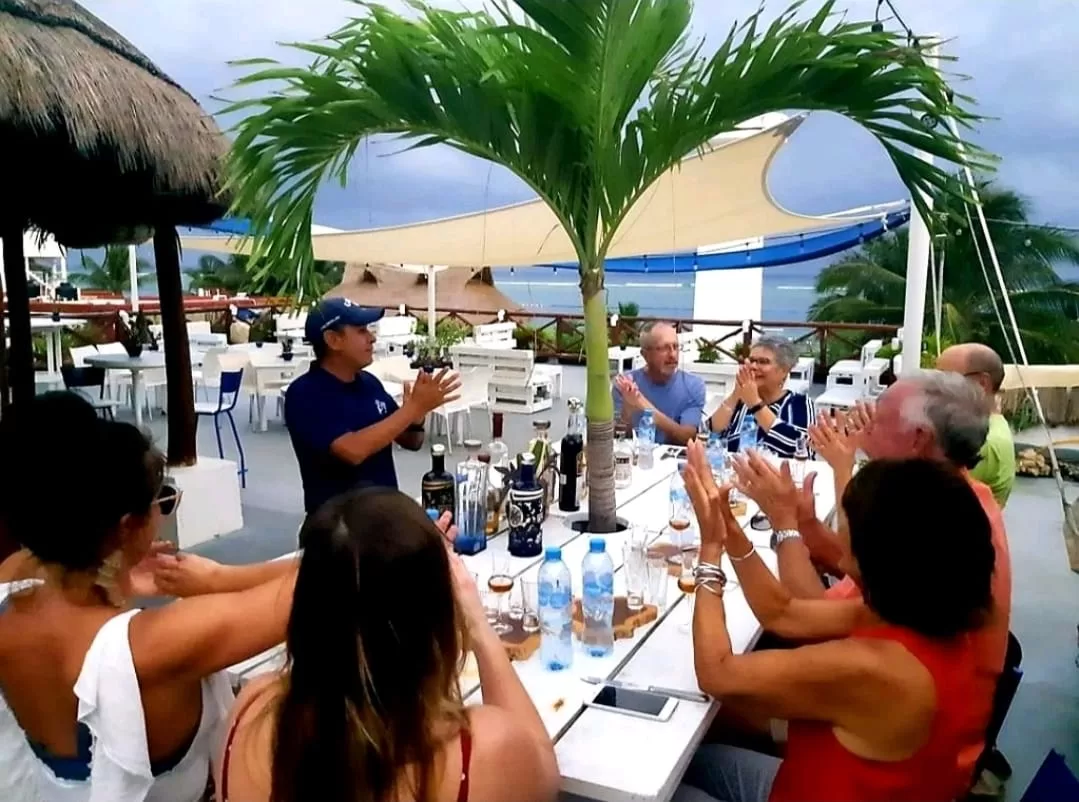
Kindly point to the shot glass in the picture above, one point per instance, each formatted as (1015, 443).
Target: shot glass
(517, 604)
(530, 621)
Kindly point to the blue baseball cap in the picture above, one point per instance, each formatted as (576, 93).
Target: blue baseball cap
(335, 312)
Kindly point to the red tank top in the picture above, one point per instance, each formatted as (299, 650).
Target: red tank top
(818, 767)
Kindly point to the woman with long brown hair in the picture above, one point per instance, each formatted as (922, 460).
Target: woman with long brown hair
(369, 707)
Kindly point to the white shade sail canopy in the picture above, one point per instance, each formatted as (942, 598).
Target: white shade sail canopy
(718, 196)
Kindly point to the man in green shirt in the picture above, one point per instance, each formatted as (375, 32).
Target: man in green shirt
(981, 365)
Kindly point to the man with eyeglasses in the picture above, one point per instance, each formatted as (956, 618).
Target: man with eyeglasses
(341, 420)
(675, 397)
(983, 366)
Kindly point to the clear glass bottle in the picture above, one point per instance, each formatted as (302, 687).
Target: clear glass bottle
(623, 457)
(494, 497)
(540, 446)
(471, 515)
(497, 448)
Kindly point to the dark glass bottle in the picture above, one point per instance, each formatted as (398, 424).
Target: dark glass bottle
(571, 459)
(438, 486)
(524, 511)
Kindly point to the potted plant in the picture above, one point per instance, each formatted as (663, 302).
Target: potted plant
(598, 135)
(707, 352)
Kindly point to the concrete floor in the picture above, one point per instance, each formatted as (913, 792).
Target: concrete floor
(1045, 612)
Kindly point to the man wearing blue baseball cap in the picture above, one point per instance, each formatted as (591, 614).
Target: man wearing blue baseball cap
(341, 420)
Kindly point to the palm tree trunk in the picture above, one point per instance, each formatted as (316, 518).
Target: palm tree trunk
(21, 356)
(182, 449)
(599, 407)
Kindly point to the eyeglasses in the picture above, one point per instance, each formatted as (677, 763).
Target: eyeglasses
(762, 361)
(168, 498)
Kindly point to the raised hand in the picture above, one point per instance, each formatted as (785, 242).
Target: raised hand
(834, 443)
(746, 386)
(432, 390)
(773, 489)
(632, 398)
(711, 504)
(468, 596)
(142, 577)
(860, 420)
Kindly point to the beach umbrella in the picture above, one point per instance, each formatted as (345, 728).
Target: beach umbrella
(100, 147)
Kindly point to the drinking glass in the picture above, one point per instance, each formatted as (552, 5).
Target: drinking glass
(688, 585)
(636, 566)
(530, 621)
(517, 605)
(658, 579)
(499, 585)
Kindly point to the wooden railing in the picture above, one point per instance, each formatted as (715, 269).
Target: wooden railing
(561, 336)
(552, 335)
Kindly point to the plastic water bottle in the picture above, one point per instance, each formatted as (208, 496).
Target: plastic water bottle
(646, 440)
(717, 457)
(748, 439)
(555, 611)
(597, 600)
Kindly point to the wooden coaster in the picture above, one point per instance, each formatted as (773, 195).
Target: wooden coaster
(519, 645)
(625, 620)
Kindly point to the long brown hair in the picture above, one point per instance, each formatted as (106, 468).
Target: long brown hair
(376, 643)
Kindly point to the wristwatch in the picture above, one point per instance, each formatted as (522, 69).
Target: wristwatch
(753, 410)
(781, 535)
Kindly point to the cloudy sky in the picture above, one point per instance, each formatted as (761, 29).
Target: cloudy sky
(1022, 56)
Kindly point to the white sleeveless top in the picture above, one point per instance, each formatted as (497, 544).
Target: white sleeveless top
(110, 705)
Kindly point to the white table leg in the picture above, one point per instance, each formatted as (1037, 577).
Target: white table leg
(263, 422)
(138, 395)
(51, 351)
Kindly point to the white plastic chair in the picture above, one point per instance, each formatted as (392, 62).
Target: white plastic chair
(473, 394)
(79, 354)
(262, 386)
(801, 375)
(209, 375)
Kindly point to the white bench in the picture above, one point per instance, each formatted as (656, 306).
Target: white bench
(846, 386)
(394, 333)
(516, 387)
(801, 375)
(495, 335)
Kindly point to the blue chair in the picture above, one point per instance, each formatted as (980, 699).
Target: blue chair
(227, 395)
(1054, 782)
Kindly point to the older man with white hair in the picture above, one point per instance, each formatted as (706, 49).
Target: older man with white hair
(675, 397)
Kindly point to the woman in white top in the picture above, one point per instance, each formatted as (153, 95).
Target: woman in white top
(117, 705)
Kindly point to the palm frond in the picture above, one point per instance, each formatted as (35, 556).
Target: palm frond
(587, 101)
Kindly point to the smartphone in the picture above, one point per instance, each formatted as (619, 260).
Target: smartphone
(641, 704)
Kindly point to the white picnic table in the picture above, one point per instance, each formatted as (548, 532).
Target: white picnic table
(606, 755)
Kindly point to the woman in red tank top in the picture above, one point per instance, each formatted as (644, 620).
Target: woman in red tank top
(880, 707)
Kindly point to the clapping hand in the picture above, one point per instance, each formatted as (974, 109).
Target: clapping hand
(632, 397)
(774, 490)
(833, 441)
(711, 503)
(183, 574)
(746, 386)
(432, 390)
(142, 577)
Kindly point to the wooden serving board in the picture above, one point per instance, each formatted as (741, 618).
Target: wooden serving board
(519, 645)
(625, 620)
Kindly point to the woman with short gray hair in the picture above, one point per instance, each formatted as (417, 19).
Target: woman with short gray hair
(760, 405)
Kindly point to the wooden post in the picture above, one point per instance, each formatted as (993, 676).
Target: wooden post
(182, 444)
(21, 357)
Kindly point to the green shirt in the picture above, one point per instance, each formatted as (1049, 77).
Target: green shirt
(997, 465)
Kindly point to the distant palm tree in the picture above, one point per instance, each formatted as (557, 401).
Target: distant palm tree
(869, 285)
(113, 273)
(232, 276)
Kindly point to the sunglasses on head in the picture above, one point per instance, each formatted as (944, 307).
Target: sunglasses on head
(168, 498)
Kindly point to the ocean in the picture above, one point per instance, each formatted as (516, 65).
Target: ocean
(788, 291)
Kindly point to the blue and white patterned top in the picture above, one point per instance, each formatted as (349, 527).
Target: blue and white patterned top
(794, 413)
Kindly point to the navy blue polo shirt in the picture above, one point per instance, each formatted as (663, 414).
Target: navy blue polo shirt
(319, 408)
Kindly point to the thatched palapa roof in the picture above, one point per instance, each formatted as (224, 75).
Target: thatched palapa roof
(99, 145)
(455, 288)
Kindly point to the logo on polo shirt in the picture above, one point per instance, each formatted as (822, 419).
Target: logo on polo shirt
(381, 407)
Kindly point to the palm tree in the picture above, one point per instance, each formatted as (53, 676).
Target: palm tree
(113, 273)
(868, 286)
(588, 102)
(233, 276)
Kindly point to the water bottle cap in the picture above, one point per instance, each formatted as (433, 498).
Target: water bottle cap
(553, 553)
(647, 414)
(597, 545)
(432, 514)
